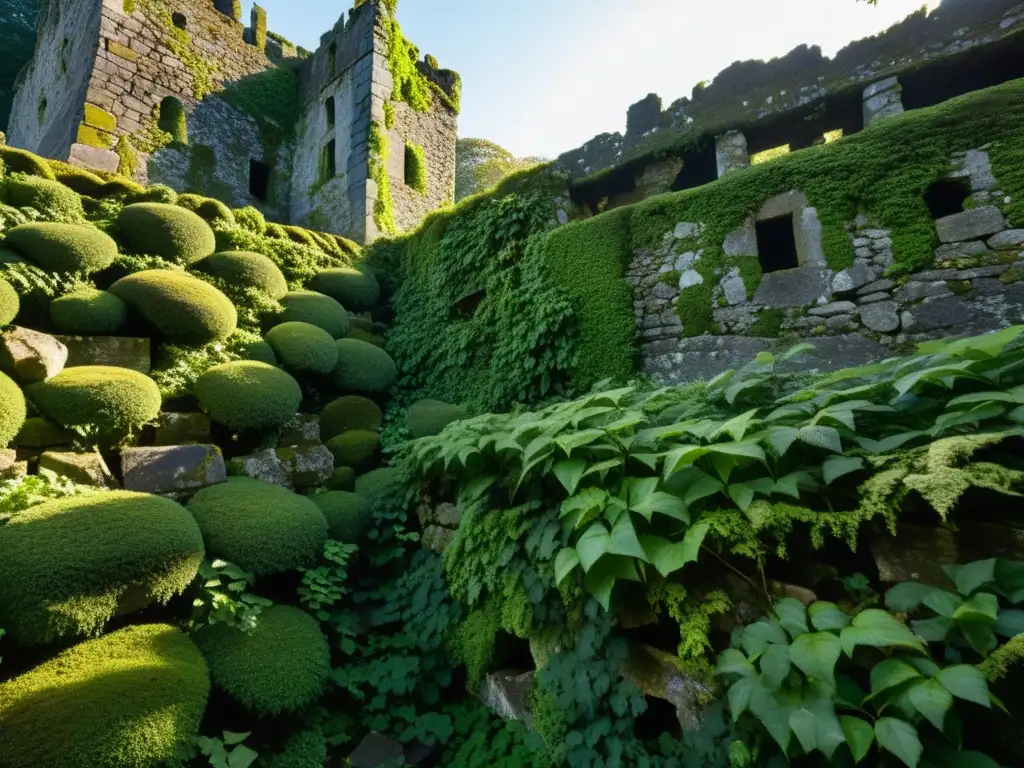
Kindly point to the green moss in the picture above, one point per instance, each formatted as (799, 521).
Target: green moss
(768, 324)
(63, 247)
(430, 417)
(168, 231)
(303, 749)
(694, 309)
(349, 515)
(349, 412)
(246, 395)
(341, 479)
(383, 207)
(355, 448)
(127, 160)
(207, 208)
(117, 49)
(363, 367)
(181, 308)
(70, 565)
(379, 484)
(251, 219)
(132, 698)
(370, 338)
(108, 402)
(259, 526)
(12, 410)
(245, 269)
(51, 198)
(960, 287)
(89, 312)
(100, 118)
(416, 177)
(23, 161)
(259, 28)
(356, 289)
(78, 179)
(37, 432)
(1003, 659)
(670, 278)
(1011, 276)
(316, 309)
(9, 303)
(172, 121)
(304, 348)
(93, 137)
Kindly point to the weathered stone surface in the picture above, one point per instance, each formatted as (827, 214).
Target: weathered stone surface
(182, 429)
(735, 291)
(882, 100)
(10, 467)
(448, 515)
(661, 675)
(882, 317)
(804, 595)
(835, 308)
(702, 357)
(917, 291)
(689, 279)
(507, 694)
(972, 274)
(948, 312)
(685, 230)
(978, 540)
(375, 750)
(81, 468)
(792, 287)
(94, 158)
(303, 429)
(970, 225)
(118, 351)
(30, 356)
(266, 466)
(1011, 239)
(917, 553)
(741, 241)
(853, 278)
(172, 469)
(731, 152)
(876, 287)
(871, 298)
(933, 275)
(841, 323)
(662, 291)
(834, 352)
(311, 464)
(960, 250)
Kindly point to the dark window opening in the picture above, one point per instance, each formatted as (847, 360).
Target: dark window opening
(259, 180)
(328, 162)
(699, 168)
(659, 717)
(512, 652)
(946, 197)
(329, 111)
(171, 119)
(468, 305)
(982, 67)
(179, 20)
(776, 244)
(332, 58)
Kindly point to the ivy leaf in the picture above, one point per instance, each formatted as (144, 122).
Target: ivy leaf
(668, 557)
(663, 503)
(760, 635)
(972, 576)
(775, 664)
(682, 457)
(569, 473)
(733, 662)
(878, 629)
(570, 442)
(740, 694)
(586, 501)
(815, 723)
(889, 674)
(826, 438)
(900, 739)
(792, 616)
(230, 738)
(624, 541)
(933, 630)
(476, 487)
(836, 467)
(983, 608)
(967, 683)
(782, 439)
(907, 597)
(859, 735)
(593, 544)
(602, 577)
(827, 616)
(736, 427)
(742, 495)
(816, 655)
(932, 701)
(241, 757)
(1010, 623)
(943, 603)
(565, 563)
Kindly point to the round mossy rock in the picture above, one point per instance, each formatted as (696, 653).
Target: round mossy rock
(9, 303)
(430, 417)
(38, 432)
(303, 347)
(370, 338)
(316, 309)
(341, 479)
(280, 666)
(10, 257)
(182, 308)
(379, 484)
(259, 526)
(348, 515)
(363, 367)
(109, 401)
(208, 208)
(355, 448)
(251, 270)
(69, 565)
(261, 353)
(12, 410)
(349, 412)
(89, 312)
(356, 289)
(305, 749)
(168, 231)
(247, 394)
(63, 247)
(132, 698)
(51, 198)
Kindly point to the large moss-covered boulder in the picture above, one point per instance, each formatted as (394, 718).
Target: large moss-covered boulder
(132, 698)
(363, 367)
(303, 347)
(9, 303)
(68, 566)
(208, 208)
(354, 448)
(430, 417)
(63, 247)
(248, 395)
(281, 666)
(316, 309)
(379, 485)
(356, 289)
(12, 410)
(245, 269)
(181, 308)
(89, 312)
(349, 412)
(22, 161)
(106, 401)
(261, 527)
(168, 231)
(304, 749)
(51, 198)
(348, 515)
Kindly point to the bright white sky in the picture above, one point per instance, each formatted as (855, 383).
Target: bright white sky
(541, 77)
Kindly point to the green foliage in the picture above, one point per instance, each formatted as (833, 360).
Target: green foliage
(304, 348)
(383, 207)
(356, 289)
(9, 303)
(247, 395)
(281, 666)
(363, 367)
(349, 412)
(71, 564)
(207, 208)
(101, 403)
(228, 751)
(348, 515)
(172, 120)
(127, 160)
(324, 586)
(181, 308)
(63, 247)
(341, 479)
(21, 493)
(482, 164)
(416, 176)
(429, 417)
(22, 161)
(134, 697)
(223, 598)
(168, 231)
(410, 85)
(380, 485)
(251, 219)
(12, 410)
(262, 527)
(354, 448)
(51, 198)
(178, 368)
(80, 180)
(304, 749)
(483, 738)
(259, 32)
(316, 309)
(89, 313)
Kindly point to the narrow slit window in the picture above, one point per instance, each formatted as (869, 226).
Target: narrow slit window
(329, 112)
(259, 180)
(328, 163)
(776, 244)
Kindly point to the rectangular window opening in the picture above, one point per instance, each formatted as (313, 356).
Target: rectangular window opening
(328, 163)
(776, 244)
(329, 112)
(259, 180)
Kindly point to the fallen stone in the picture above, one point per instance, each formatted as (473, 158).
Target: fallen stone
(172, 469)
(946, 312)
(871, 298)
(971, 274)
(917, 291)
(81, 468)
(960, 250)
(264, 465)
(117, 351)
(970, 225)
(690, 278)
(311, 465)
(853, 278)
(835, 308)
(876, 287)
(507, 694)
(303, 429)
(661, 675)
(735, 290)
(917, 553)
(792, 287)
(1007, 240)
(30, 356)
(882, 317)
(182, 429)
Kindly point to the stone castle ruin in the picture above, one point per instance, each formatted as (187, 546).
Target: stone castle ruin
(183, 93)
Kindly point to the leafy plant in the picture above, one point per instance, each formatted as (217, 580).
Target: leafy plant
(223, 598)
(21, 493)
(225, 751)
(324, 586)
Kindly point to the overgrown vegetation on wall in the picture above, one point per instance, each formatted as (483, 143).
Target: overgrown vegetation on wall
(17, 40)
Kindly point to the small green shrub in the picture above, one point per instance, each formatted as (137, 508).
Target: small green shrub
(207, 208)
(121, 188)
(370, 338)
(356, 289)
(430, 417)
(247, 270)
(379, 484)
(38, 432)
(261, 352)
(78, 179)
(59, 247)
(341, 479)
(363, 367)
(51, 198)
(416, 168)
(22, 161)
(10, 257)
(316, 309)
(69, 565)
(101, 401)
(131, 698)
(348, 515)
(158, 193)
(354, 448)
(260, 527)
(303, 347)
(248, 395)
(305, 749)
(9, 303)
(251, 219)
(89, 312)
(281, 666)
(168, 231)
(182, 308)
(349, 412)
(12, 410)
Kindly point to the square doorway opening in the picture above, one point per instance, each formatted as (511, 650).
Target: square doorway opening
(776, 244)
(946, 197)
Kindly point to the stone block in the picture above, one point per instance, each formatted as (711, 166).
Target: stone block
(310, 464)
(172, 469)
(182, 429)
(735, 290)
(1008, 240)
(971, 274)
(303, 429)
(876, 286)
(264, 465)
(662, 676)
(81, 468)
(507, 694)
(881, 100)
(916, 291)
(917, 553)
(742, 241)
(853, 278)
(841, 323)
(793, 287)
(690, 278)
(970, 225)
(834, 352)
(29, 356)
(731, 152)
(835, 308)
(686, 230)
(787, 203)
(871, 298)
(118, 351)
(882, 317)
(881, 86)
(948, 312)
(93, 158)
